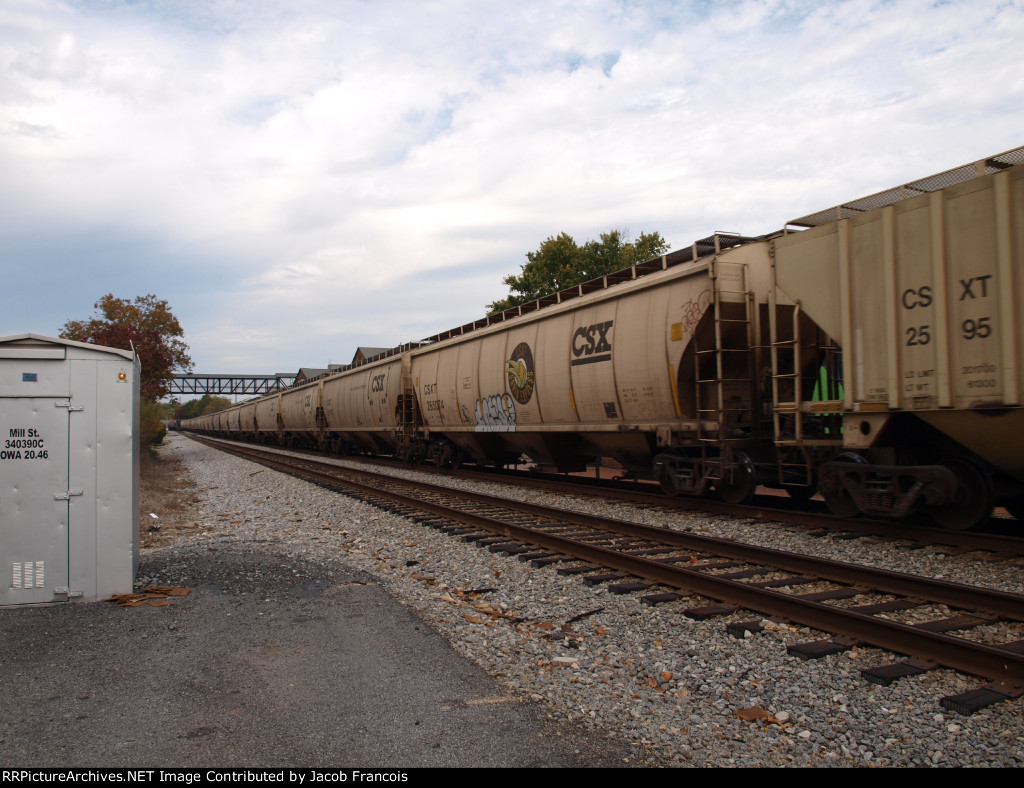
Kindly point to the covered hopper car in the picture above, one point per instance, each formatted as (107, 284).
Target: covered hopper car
(872, 352)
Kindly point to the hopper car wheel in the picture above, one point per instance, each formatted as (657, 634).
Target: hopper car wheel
(841, 504)
(666, 480)
(447, 455)
(974, 501)
(740, 489)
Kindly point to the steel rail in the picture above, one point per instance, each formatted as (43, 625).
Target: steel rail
(1007, 605)
(897, 530)
(758, 511)
(999, 665)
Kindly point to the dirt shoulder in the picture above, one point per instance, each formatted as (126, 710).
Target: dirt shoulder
(168, 491)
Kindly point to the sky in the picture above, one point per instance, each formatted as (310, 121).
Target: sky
(301, 178)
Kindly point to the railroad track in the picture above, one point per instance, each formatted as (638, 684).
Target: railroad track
(999, 543)
(856, 604)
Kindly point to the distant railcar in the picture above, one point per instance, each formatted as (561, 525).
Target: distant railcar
(362, 407)
(660, 368)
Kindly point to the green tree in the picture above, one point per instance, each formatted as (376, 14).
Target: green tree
(203, 406)
(169, 408)
(560, 263)
(145, 324)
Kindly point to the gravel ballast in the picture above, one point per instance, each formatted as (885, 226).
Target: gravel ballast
(641, 685)
(671, 688)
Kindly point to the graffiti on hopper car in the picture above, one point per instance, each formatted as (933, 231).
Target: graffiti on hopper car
(496, 413)
(693, 310)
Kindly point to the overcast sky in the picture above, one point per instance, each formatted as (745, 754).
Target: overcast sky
(300, 178)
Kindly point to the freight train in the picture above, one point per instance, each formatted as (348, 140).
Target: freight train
(872, 352)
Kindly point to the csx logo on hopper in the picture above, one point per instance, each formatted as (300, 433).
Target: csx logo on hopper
(591, 343)
(377, 383)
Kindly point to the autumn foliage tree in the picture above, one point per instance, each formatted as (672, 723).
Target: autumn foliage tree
(560, 263)
(146, 324)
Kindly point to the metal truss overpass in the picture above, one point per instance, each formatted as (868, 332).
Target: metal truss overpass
(240, 385)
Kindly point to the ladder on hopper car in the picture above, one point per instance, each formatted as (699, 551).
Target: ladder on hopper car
(800, 424)
(726, 386)
(407, 416)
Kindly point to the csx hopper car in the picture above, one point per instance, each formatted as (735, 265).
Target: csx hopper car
(872, 352)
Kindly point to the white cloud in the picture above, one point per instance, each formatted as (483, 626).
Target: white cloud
(309, 160)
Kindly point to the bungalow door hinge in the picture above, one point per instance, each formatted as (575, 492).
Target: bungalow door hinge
(67, 495)
(68, 405)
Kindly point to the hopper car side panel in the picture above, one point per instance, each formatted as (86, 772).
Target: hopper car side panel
(359, 406)
(518, 370)
(519, 395)
(614, 373)
(446, 396)
(642, 367)
(267, 412)
(247, 420)
(467, 386)
(379, 395)
(233, 421)
(591, 372)
(554, 397)
(299, 409)
(434, 396)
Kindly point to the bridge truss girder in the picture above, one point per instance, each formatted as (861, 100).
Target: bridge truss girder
(238, 385)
